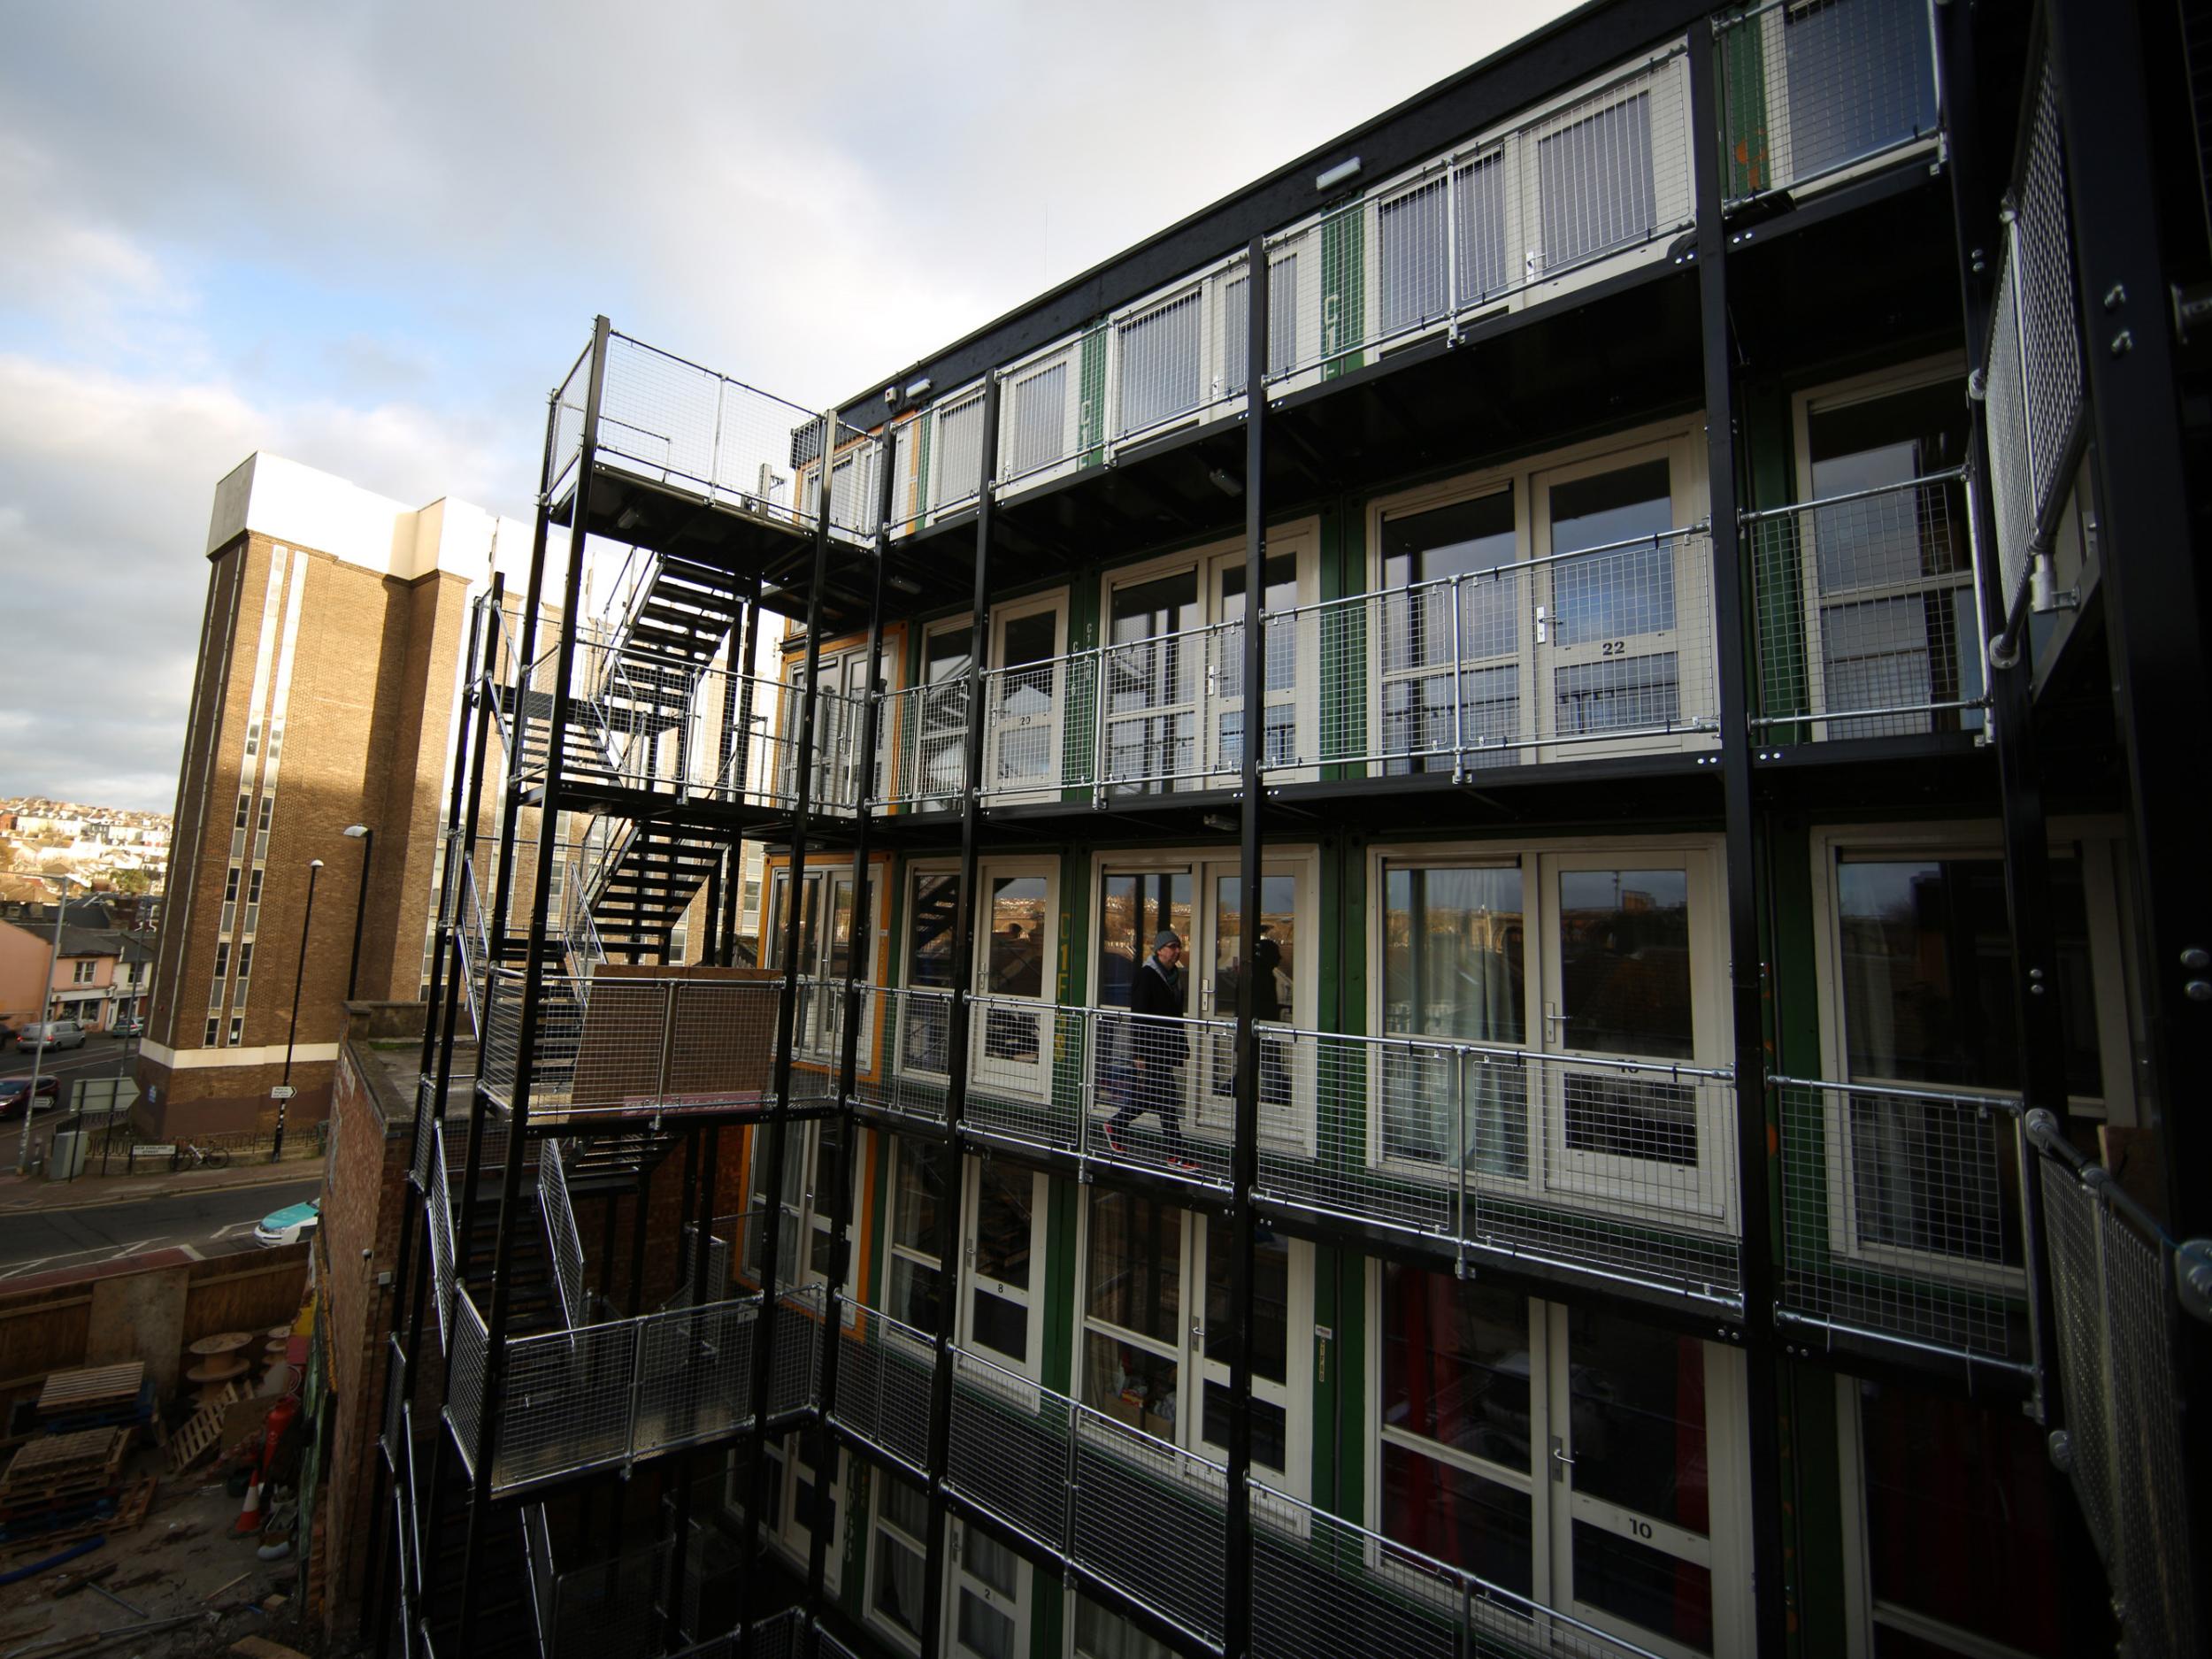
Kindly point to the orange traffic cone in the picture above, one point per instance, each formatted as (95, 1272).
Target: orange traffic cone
(248, 1521)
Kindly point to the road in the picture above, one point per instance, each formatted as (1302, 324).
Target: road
(101, 1056)
(214, 1222)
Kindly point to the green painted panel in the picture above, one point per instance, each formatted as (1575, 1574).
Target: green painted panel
(1091, 415)
(1343, 290)
(1061, 1232)
(1746, 159)
(1770, 562)
(1813, 1553)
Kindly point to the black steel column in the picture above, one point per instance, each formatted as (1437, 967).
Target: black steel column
(739, 731)
(956, 1045)
(436, 1054)
(856, 967)
(2026, 837)
(1746, 972)
(1244, 1143)
(532, 996)
(774, 1130)
(2155, 607)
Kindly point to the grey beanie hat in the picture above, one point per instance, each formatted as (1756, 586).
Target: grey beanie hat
(1165, 937)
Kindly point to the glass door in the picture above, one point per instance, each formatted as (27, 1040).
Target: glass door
(1134, 906)
(1282, 1280)
(1280, 719)
(1217, 960)
(942, 720)
(1623, 630)
(1627, 978)
(988, 1610)
(824, 952)
(998, 1317)
(1150, 675)
(1012, 1048)
(1633, 1478)
(1025, 700)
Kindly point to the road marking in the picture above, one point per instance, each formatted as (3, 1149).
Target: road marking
(225, 1230)
(192, 1252)
(131, 1249)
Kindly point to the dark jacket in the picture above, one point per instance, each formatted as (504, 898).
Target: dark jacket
(1156, 996)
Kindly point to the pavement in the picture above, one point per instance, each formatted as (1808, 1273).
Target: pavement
(199, 1215)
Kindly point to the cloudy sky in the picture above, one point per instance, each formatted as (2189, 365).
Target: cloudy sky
(367, 234)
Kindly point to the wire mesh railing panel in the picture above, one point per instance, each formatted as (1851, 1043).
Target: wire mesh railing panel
(1152, 1103)
(911, 1076)
(695, 1375)
(1160, 709)
(2074, 1244)
(1150, 1518)
(1322, 1585)
(682, 425)
(950, 469)
(883, 1385)
(2042, 247)
(1867, 619)
(1600, 650)
(1009, 1448)
(563, 1245)
(610, 1610)
(922, 746)
(2117, 1301)
(1039, 728)
(1598, 176)
(2154, 1568)
(1811, 92)
(398, 1384)
(537, 1557)
(1621, 1169)
(797, 1339)
(499, 1048)
(466, 1363)
(567, 1404)
(1900, 1216)
(2005, 408)
(1027, 1070)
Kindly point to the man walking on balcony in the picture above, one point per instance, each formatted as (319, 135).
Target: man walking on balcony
(1158, 1049)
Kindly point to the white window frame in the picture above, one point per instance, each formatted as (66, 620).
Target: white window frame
(1301, 1344)
(881, 1527)
(1947, 367)
(994, 779)
(2098, 844)
(1525, 479)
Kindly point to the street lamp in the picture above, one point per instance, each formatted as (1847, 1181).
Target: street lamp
(299, 972)
(45, 1018)
(366, 836)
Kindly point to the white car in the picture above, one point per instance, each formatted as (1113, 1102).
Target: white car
(290, 1225)
(49, 1033)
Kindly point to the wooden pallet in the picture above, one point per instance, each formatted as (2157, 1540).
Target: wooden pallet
(203, 1429)
(63, 1467)
(68, 1393)
(129, 1509)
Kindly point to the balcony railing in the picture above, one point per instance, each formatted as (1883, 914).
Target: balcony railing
(1812, 93)
(1868, 616)
(1901, 1220)
(2120, 1284)
(606, 1609)
(621, 1044)
(1615, 1167)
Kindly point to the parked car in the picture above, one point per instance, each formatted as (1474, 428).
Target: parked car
(128, 1025)
(291, 1224)
(50, 1033)
(16, 1090)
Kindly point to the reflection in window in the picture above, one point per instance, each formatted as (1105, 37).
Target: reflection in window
(1425, 630)
(1454, 961)
(1625, 962)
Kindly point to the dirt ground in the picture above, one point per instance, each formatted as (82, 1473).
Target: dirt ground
(181, 1559)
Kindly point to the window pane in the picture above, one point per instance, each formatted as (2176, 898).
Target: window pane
(1040, 421)
(1958, 1524)
(1637, 1406)
(1130, 1384)
(1610, 595)
(1004, 1199)
(1000, 1325)
(900, 1575)
(1016, 965)
(1136, 1265)
(1594, 181)
(1476, 1524)
(1647, 1587)
(1271, 1426)
(913, 1294)
(1456, 1364)
(1453, 967)
(1625, 961)
(1100, 1634)
(959, 439)
(1926, 951)
(1268, 1317)
(915, 1218)
(1478, 234)
(990, 1563)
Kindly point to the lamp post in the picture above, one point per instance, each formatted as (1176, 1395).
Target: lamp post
(366, 836)
(45, 1018)
(299, 972)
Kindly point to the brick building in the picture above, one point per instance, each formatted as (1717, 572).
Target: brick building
(329, 649)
